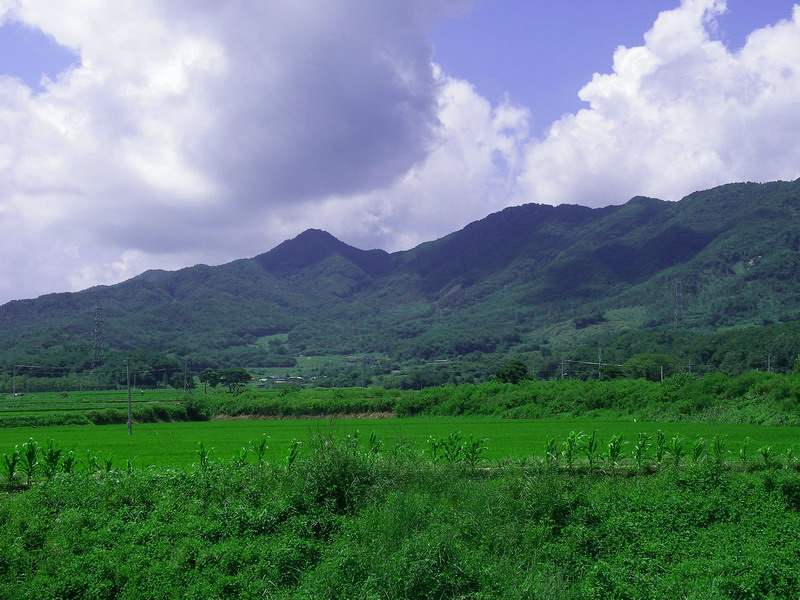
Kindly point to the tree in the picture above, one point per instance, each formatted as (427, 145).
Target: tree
(209, 377)
(183, 380)
(235, 378)
(651, 366)
(513, 371)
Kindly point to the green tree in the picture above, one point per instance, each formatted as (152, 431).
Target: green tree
(183, 380)
(649, 366)
(513, 371)
(235, 378)
(209, 377)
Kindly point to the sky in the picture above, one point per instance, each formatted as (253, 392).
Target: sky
(146, 134)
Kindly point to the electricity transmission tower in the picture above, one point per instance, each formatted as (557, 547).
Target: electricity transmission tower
(678, 317)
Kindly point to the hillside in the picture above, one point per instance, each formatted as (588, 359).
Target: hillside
(520, 278)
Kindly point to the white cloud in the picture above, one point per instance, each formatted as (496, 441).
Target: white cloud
(678, 114)
(188, 124)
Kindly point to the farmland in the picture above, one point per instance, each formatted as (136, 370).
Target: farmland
(236, 496)
(175, 444)
(312, 526)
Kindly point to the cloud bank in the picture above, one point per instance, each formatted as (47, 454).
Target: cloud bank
(202, 131)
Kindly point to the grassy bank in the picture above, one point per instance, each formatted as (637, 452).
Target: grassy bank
(752, 398)
(313, 526)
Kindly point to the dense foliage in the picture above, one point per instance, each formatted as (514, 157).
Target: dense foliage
(754, 397)
(313, 526)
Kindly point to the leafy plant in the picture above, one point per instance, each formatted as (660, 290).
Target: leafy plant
(29, 461)
(293, 452)
(571, 447)
(676, 448)
(51, 456)
(69, 462)
(452, 447)
(260, 449)
(375, 444)
(472, 450)
(11, 466)
(699, 450)
(204, 456)
(591, 448)
(744, 452)
(551, 447)
(614, 450)
(661, 447)
(767, 456)
(719, 449)
(640, 449)
(241, 456)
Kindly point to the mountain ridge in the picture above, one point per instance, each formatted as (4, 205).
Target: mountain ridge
(502, 283)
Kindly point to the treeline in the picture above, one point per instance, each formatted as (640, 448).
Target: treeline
(754, 397)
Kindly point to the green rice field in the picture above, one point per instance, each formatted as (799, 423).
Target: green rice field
(175, 444)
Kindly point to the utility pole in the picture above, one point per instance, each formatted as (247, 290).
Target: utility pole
(599, 363)
(130, 412)
(563, 368)
(14, 383)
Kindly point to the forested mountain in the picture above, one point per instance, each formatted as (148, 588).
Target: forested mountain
(526, 277)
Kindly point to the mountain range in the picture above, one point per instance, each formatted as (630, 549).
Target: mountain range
(515, 281)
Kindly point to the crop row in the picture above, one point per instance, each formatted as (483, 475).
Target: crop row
(578, 452)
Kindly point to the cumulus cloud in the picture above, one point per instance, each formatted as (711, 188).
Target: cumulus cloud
(186, 122)
(678, 114)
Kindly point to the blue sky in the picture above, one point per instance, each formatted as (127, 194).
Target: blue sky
(160, 134)
(542, 52)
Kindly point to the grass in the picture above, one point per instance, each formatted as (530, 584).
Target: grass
(175, 444)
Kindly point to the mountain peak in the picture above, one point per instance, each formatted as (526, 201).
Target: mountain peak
(312, 247)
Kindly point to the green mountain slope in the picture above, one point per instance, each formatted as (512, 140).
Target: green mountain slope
(526, 276)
